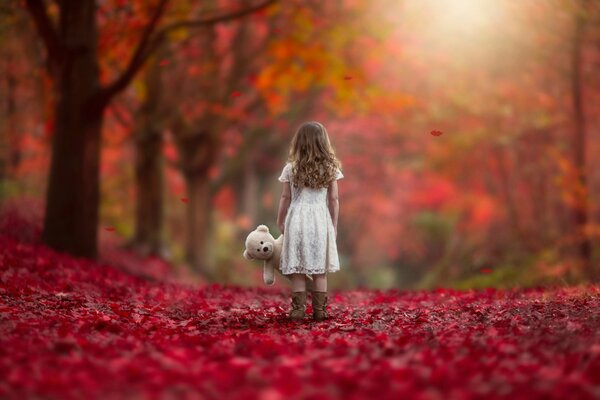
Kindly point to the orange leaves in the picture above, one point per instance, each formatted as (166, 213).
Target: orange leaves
(243, 222)
(573, 191)
(267, 200)
(482, 210)
(388, 102)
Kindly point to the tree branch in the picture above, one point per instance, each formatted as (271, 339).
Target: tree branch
(215, 20)
(45, 29)
(162, 35)
(148, 45)
(140, 55)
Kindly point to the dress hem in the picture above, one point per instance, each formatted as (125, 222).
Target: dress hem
(332, 268)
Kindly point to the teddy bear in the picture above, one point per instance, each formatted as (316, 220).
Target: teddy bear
(261, 245)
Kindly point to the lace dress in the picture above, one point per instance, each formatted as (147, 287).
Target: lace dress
(309, 243)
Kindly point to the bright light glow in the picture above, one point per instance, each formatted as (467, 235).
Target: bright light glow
(465, 27)
(467, 15)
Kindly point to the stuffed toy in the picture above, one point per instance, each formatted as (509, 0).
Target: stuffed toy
(261, 245)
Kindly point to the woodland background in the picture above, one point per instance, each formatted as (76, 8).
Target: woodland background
(140, 131)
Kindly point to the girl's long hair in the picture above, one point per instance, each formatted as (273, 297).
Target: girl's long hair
(314, 163)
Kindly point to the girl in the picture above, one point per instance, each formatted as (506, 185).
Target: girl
(308, 215)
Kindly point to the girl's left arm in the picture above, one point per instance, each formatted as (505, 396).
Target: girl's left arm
(284, 203)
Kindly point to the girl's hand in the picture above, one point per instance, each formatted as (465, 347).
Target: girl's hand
(281, 228)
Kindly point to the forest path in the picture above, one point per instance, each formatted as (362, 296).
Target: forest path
(71, 328)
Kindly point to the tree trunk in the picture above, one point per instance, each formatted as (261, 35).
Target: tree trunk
(580, 211)
(73, 189)
(198, 221)
(507, 187)
(71, 216)
(149, 163)
(251, 192)
(11, 115)
(149, 179)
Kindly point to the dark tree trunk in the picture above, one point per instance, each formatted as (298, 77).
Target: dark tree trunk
(11, 115)
(10, 154)
(198, 221)
(149, 164)
(71, 216)
(507, 187)
(250, 195)
(580, 211)
(72, 199)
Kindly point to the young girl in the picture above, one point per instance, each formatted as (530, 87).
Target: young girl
(308, 215)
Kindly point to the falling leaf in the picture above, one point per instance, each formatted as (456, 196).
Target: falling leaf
(185, 200)
(347, 78)
(436, 133)
(110, 228)
(163, 63)
(235, 94)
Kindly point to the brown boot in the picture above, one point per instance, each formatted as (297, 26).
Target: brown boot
(298, 306)
(319, 303)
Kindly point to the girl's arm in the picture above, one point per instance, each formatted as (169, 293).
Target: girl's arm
(333, 203)
(284, 203)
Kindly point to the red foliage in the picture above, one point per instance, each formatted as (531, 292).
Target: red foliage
(71, 328)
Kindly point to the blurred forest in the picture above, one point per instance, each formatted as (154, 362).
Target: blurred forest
(466, 129)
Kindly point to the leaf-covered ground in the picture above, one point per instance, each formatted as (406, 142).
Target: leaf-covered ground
(70, 328)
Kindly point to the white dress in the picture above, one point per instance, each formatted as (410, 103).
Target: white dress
(309, 242)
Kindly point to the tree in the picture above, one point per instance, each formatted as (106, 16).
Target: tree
(149, 164)
(580, 209)
(71, 217)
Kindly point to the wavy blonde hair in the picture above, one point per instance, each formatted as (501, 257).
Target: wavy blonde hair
(314, 163)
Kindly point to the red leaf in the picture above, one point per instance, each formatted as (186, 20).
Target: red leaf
(185, 200)
(436, 133)
(78, 324)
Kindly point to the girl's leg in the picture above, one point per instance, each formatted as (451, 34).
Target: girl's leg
(319, 297)
(298, 297)
(298, 283)
(320, 282)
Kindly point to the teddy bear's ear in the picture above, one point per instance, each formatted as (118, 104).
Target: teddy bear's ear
(262, 228)
(247, 255)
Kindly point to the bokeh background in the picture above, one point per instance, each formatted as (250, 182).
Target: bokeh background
(467, 130)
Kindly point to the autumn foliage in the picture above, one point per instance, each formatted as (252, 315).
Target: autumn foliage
(72, 328)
